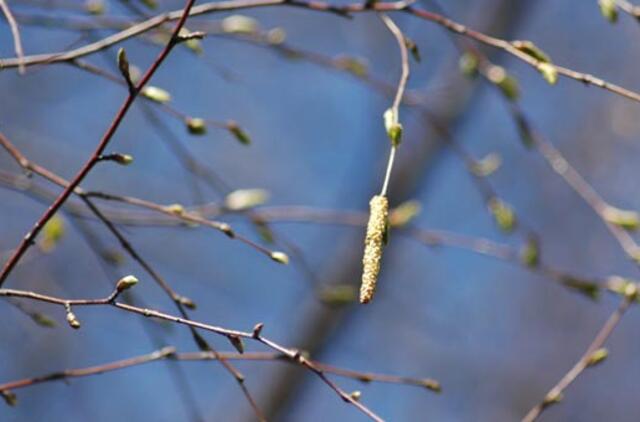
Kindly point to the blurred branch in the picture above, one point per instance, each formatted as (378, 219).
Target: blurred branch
(511, 48)
(169, 353)
(180, 301)
(15, 32)
(233, 336)
(629, 8)
(28, 239)
(589, 358)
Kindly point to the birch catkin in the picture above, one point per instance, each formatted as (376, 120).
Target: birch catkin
(373, 243)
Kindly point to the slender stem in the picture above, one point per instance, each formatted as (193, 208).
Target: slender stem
(555, 394)
(232, 335)
(402, 84)
(29, 238)
(15, 32)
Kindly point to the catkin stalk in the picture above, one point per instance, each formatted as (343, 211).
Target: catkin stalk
(373, 244)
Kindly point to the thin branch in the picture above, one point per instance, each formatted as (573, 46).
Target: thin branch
(555, 394)
(28, 239)
(231, 335)
(629, 8)
(169, 353)
(15, 32)
(92, 370)
(179, 300)
(346, 10)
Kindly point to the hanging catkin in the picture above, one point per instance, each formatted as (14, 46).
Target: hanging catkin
(373, 244)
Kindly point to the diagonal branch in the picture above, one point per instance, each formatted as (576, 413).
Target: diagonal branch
(29, 238)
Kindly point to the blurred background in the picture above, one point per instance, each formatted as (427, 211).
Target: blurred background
(309, 89)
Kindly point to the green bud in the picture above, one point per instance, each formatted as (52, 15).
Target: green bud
(413, 49)
(507, 84)
(503, 214)
(183, 300)
(353, 65)
(240, 24)
(339, 294)
(393, 127)
(122, 159)
(629, 220)
(72, 320)
(94, 7)
(176, 209)
(530, 253)
(196, 126)
(468, 65)
(192, 41)
(280, 257)
(264, 231)
(586, 287)
(126, 283)
(487, 165)
(549, 72)
(531, 49)
(43, 320)
(156, 94)
(276, 36)
(52, 232)
(432, 385)
(609, 10)
(151, 4)
(243, 199)
(598, 356)
(237, 343)
(9, 397)
(553, 397)
(240, 135)
(403, 214)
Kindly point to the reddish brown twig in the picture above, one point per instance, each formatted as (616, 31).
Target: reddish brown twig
(95, 157)
(232, 335)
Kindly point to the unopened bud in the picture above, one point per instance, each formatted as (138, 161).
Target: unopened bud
(126, 283)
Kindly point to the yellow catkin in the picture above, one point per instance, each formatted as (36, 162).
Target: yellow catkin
(373, 243)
